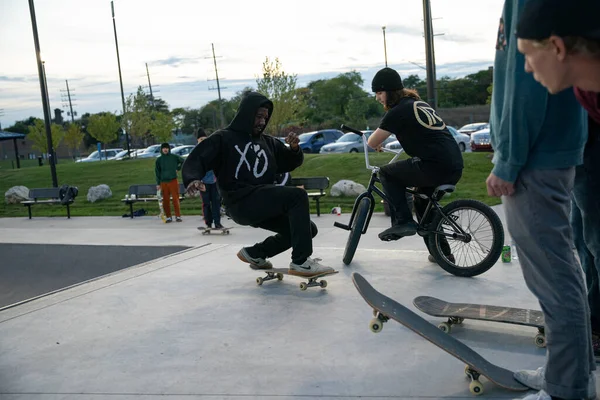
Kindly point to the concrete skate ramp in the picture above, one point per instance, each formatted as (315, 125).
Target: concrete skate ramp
(30, 270)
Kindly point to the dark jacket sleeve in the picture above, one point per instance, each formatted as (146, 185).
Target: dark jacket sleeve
(287, 159)
(202, 159)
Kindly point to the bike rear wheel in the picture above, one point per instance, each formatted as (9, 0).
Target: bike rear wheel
(472, 257)
(360, 219)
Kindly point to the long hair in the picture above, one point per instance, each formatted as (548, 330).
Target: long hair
(394, 97)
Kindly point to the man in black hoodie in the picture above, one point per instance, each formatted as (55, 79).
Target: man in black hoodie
(245, 162)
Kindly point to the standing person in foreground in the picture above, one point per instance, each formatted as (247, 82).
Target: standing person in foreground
(211, 199)
(245, 162)
(564, 52)
(165, 170)
(538, 140)
(435, 157)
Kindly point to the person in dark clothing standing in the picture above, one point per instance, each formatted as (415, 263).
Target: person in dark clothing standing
(435, 158)
(245, 162)
(165, 169)
(211, 199)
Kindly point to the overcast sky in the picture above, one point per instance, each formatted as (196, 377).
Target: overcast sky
(313, 39)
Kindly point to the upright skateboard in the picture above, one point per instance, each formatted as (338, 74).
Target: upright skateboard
(160, 206)
(385, 308)
(458, 312)
(278, 273)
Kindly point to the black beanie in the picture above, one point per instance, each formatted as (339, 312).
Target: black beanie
(386, 80)
(165, 145)
(541, 19)
(200, 133)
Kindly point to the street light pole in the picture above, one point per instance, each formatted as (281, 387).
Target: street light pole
(44, 90)
(430, 55)
(384, 45)
(112, 7)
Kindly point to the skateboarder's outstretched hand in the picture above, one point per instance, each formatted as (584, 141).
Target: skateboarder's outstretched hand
(292, 140)
(195, 187)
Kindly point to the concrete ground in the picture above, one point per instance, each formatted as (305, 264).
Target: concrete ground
(194, 324)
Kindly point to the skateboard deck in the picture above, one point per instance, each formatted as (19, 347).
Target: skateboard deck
(386, 308)
(207, 231)
(160, 206)
(278, 273)
(458, 312)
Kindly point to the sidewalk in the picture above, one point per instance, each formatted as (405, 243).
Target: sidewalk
(194, 324)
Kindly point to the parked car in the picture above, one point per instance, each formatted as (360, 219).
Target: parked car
(312, 142)
(480, 141)
(462, 139)
(152, 151)
(470, 128)
(99, 156)
(351, 143)
(182, 151)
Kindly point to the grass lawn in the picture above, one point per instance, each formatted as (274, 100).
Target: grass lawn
(120, 174)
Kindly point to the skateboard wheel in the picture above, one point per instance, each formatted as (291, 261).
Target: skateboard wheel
(279, 276)
(323, 283)
(540, 340)
(259, 281)
(476, 388)
(376, 325)
(303, 286)
(445, 327)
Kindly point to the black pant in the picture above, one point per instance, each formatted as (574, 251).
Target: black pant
(281, 209)
(211, 205)
(425, 177)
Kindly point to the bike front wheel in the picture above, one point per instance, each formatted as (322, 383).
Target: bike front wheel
(360, 219)
(476, 254)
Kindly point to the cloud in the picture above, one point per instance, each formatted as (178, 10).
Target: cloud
(4, 78)
(389, 29)
(174, 61)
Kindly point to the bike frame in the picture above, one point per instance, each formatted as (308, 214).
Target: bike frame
(432, 203)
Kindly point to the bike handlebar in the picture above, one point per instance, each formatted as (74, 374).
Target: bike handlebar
(349, 129)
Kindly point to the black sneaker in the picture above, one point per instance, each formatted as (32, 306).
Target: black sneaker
(399, 231)
(169, 220)
(178, 219)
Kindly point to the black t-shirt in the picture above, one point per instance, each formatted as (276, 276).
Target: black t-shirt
(422, 133)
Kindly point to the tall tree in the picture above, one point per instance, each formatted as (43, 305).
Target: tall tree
(137, 118)
(162, 126)
(37, 134)
(73, 138)
(104, 127)
(280, 88)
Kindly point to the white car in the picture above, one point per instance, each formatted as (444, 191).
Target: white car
(152, 151)
(470, 128)
(462, 140)
(105, 154)
(182, 151)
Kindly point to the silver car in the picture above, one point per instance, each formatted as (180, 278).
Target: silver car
(350, 143)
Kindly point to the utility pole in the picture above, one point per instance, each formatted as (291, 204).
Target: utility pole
(384, 46)
(112, 7)
(1, 115)
(67, 101)
(44, 93)
(150, 86)
(218, 87)
(430, 55)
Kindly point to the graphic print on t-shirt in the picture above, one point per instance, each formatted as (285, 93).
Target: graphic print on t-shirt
(427, 117)
(259, 153)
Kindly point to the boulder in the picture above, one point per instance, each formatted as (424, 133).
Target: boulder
(16, 194)
(99, 192)
(347, 188)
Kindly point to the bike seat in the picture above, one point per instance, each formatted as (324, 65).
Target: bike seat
(441, 190)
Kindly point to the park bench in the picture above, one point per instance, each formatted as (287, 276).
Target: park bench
(46, 196)
(314, 186)
(145, 193)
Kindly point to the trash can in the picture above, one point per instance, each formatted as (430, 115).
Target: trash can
(40, 161)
